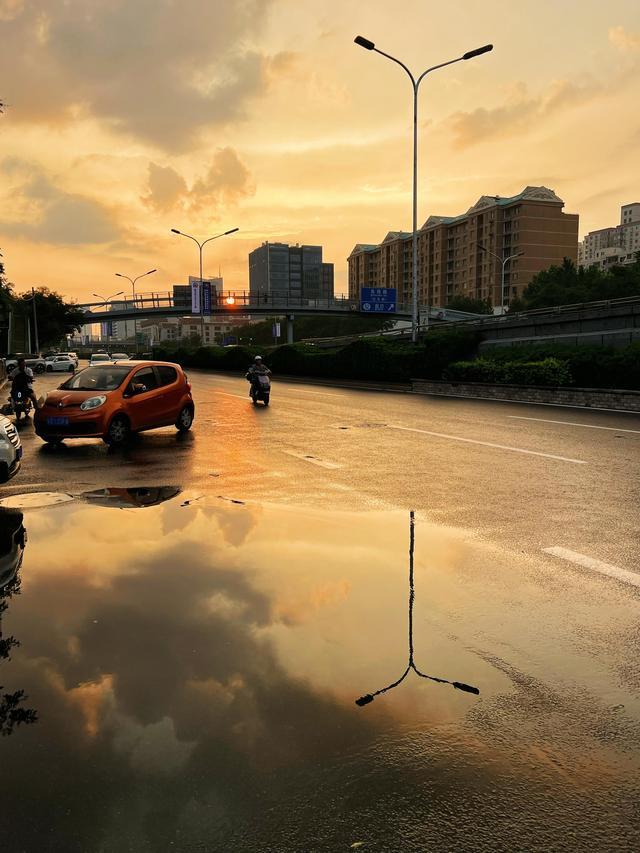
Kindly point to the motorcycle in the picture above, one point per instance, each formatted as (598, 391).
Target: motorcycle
(19, 404)
(260, 387)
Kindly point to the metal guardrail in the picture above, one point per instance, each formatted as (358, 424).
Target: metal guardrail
(554, 310)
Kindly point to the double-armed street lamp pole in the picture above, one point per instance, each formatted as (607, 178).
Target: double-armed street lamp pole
(106, 300)
(504, 262)
(133, 294)
(415, 82)
(200, 246)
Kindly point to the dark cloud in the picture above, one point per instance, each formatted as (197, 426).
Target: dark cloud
(520, 113)
(166, 187)
(57, 217)
(192, 716)
(160, 71)
(226, 181)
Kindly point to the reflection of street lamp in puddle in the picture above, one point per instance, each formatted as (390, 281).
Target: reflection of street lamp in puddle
(369, 697)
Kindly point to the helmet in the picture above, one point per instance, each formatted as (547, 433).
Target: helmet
(258, 358)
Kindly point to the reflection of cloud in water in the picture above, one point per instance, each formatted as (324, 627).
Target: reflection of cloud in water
(196, 692)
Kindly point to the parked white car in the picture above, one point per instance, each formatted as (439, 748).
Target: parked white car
(10, 450)
(120, 356)
(72, 355)
(60, 364)
(36, 363)
(100, 358)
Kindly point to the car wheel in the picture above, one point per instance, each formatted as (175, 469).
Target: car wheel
(39, 368)
(4, 472)
(119, 431)
(49, 369)
(185, 420)
(71, 368)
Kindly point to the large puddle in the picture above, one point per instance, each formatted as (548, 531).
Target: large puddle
(180, 673)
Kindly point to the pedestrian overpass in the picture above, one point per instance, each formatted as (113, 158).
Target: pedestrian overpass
(160, 306)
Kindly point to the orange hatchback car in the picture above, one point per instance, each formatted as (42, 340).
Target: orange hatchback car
(112, 401)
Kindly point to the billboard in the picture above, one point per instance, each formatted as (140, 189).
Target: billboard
(195, 296)
(205, 295)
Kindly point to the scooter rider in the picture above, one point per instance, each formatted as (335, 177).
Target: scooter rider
(22, 382)
(258, 368)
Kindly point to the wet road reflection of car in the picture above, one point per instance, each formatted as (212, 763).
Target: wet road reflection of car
(194, 665)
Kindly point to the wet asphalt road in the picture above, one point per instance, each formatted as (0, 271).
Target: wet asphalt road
(528, 477)
(528, 585)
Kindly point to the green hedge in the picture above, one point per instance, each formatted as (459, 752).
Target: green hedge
(380, 359)
(443, 353)
(549, 371)
(590, 367)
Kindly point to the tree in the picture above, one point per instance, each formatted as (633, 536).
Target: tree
(566, 285)
(473, 306)
(56, 318)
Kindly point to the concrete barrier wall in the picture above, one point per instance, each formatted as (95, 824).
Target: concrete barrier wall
(616, 400)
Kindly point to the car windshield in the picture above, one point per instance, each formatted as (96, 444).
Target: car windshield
(97, 379)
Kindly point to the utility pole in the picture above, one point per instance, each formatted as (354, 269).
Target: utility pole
(369, 45)
(35, 321)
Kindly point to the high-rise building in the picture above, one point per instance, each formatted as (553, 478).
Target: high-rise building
(182, 292)
(619, 244)
(296, 273)
(451, 261)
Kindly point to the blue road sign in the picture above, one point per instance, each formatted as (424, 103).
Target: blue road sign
(378, 300)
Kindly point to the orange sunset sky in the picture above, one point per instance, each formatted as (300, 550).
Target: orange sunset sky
(124, 118)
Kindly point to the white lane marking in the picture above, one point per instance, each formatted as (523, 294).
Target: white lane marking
(488, 444)
(315, 393)
(594, 565)
(312, 459)
(572, 423)
(228, 394)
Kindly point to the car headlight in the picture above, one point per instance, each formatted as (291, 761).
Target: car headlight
(93, 403)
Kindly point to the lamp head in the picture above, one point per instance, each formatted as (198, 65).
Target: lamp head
(150, 271)
(364, 700)
(175, 231)
(363, 42)
(232, 231)
(478, 51)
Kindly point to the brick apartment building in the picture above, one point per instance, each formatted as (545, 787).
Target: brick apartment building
(450, 261)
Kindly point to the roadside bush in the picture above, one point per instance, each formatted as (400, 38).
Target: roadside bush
(590, 367)
(549, 371)
(441, 347)
(446, 353)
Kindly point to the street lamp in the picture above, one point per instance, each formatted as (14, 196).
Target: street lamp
(369, 45)
(105, 301)
(133, 294)
(504, 262)
(200, 247)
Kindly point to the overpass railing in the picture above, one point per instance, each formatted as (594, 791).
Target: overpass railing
(554, 310)
(228, 300)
